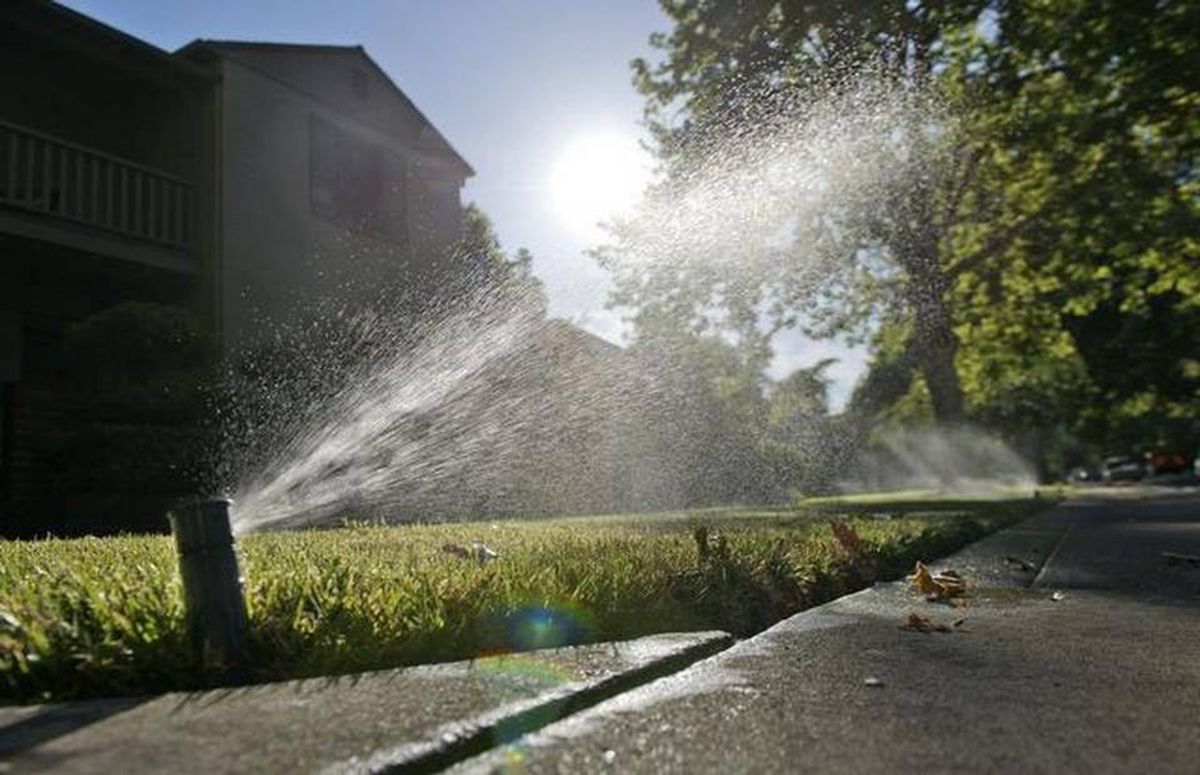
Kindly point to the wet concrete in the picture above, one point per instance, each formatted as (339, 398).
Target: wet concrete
(417, 718)
(1102, 677)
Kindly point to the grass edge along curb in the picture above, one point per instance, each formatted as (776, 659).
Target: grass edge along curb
(104, 617)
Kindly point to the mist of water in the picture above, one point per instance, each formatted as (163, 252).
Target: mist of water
(491, 407)
(952, 461)
(790, 192)
(369, 446)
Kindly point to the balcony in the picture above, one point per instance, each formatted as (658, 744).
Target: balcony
(56, 191)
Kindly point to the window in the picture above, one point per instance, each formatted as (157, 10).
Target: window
(354, 183)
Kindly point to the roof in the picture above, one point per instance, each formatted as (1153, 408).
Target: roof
(299, 48)
(53, 18)
(320, 48)
(565, 329)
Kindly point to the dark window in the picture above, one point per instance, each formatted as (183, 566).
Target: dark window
(355, 183)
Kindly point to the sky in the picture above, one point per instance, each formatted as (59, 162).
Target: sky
(531, 92)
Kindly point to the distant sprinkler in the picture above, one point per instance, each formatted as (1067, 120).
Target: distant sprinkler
(212, 587)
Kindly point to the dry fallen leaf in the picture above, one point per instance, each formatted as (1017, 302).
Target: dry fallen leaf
(918, 623)
(477, 551)
(847, 536)
(952, 583)
(1057, 596)
(922, 579)
(939, 586)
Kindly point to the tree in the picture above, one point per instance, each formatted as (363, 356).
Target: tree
(140, 432)
(1033, 261)
(478, 264)
(731, 69)
(1078, 294)
(701, 409)
(806, 449)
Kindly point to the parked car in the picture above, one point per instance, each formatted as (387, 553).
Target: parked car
(1083, 475)
(1123, 468)
(1163, 461)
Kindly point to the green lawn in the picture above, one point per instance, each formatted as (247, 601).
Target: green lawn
(94, 617)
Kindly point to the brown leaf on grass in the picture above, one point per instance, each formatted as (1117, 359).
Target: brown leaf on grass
(937, 586)
(918, 623)
(477, 551)
(848, 537)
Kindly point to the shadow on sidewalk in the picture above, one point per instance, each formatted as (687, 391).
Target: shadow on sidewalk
(21, 730)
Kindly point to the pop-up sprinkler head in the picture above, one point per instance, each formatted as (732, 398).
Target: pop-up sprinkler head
(212, 588)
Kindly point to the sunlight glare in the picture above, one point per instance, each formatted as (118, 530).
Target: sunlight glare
(596, 178)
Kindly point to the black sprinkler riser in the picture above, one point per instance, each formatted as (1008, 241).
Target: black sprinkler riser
(212, 587)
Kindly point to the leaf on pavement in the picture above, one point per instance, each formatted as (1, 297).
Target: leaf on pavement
(937, 586)
(918, 623)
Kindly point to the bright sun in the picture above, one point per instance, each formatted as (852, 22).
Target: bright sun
(595, 178)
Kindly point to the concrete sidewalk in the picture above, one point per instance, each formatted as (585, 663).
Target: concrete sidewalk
(1103, 677)
(419, 718)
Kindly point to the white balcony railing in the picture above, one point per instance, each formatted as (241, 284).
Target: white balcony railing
(54, 177)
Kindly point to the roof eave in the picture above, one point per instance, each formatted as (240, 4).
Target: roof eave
(201, 43)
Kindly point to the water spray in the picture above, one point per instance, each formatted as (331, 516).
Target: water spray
(471, 404)
(212, 587)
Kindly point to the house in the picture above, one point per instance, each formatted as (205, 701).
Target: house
(238, 180)
(328, 176)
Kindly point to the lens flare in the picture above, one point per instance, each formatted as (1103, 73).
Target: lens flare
(545, 627)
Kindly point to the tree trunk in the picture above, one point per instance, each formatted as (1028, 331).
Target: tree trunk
(945, 392)
(934, 340)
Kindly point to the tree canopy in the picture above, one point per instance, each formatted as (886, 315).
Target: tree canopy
(477, 262)
(1022, 248)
